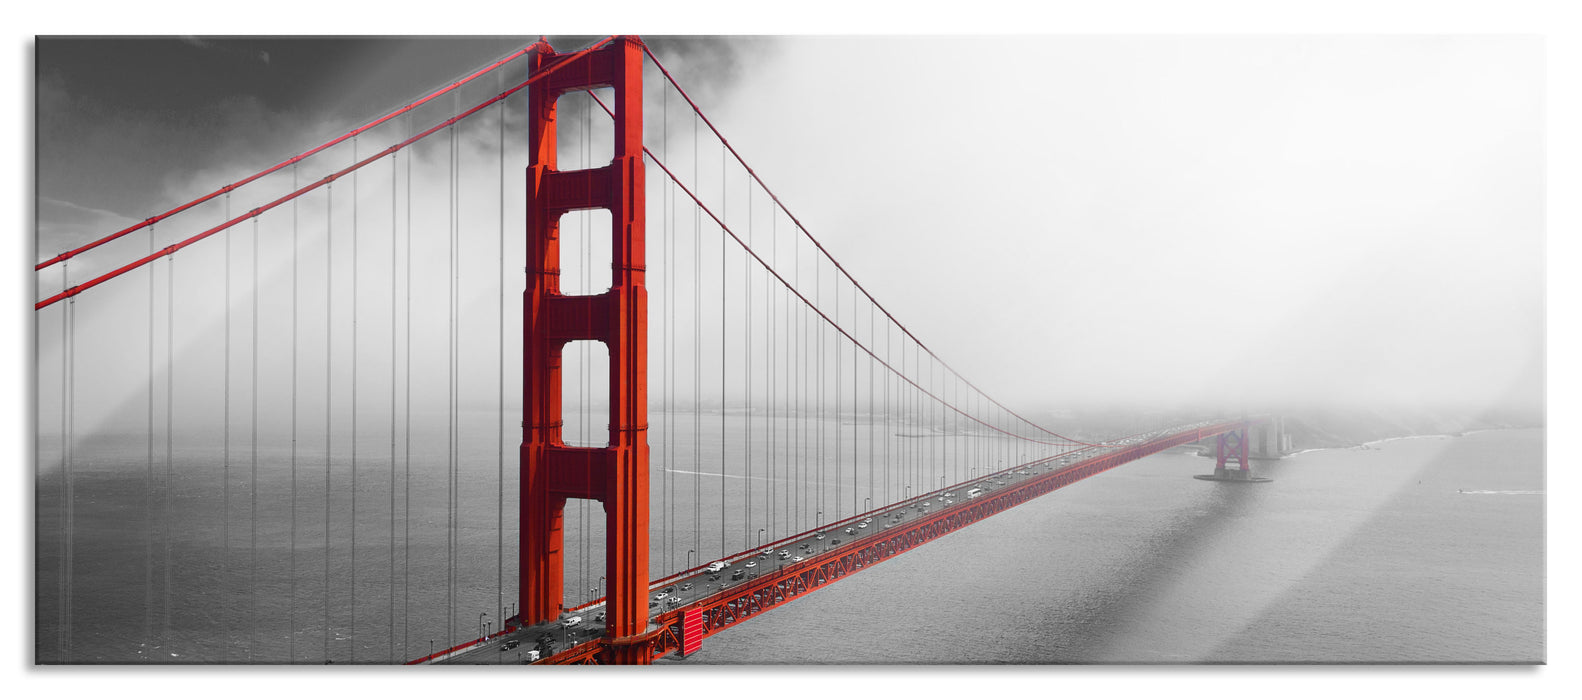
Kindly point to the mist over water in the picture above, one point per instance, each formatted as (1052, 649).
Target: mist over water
(1395, 554)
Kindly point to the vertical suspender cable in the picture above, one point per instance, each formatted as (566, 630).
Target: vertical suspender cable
(771, 499)
(499, 419)
(329, 364)
(835, 339)
(66, 390)
(747, 355)
(148, 478)
(406, 428)
(170, 403)
(351, 603)
(769, 385)
(252, 574)
(225, 471)
(667, 334)
(697, 357)
(390, 611)
(291, 607)
(723, 202)
(450, 459)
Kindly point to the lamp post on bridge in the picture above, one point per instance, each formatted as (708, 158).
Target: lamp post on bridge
(601, 586)
(760, 538)
(481, 629)
(818, 521)
(867, 504)
(690, 552)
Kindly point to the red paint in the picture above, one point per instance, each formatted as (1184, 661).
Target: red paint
(1232, 446)
(617, 475)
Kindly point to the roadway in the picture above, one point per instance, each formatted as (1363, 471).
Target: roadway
(689, 587)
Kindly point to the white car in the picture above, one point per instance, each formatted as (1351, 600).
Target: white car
(571, 622)
(716, 567)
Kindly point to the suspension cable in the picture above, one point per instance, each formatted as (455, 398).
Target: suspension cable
(816, 306)
(671, 79)
(292, 161)
(74, 290)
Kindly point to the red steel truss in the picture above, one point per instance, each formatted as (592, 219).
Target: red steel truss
(1232, 447)
(756, 596)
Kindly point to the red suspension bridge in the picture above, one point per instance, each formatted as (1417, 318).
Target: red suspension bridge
(284, 406)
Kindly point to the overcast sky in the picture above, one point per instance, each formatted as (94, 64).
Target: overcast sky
(1065, 219)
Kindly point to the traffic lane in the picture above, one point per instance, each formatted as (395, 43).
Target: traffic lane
(687, 591)
(683, 592)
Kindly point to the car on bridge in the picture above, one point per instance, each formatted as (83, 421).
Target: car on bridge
(738, 575)
(716, 567)
(571, 622)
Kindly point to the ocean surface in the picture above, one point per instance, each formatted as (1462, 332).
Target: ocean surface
(1419, 550)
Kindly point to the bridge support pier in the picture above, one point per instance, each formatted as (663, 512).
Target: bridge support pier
(1232, 449)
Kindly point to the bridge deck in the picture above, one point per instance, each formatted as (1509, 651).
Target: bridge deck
(756, 581)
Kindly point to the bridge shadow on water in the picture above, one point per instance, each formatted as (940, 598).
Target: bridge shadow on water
(1120, 606)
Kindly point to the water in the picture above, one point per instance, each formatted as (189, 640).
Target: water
(164, 569)
(1420, 550)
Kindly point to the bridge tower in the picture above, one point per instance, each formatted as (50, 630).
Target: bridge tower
(1232, 457)
(616, 475)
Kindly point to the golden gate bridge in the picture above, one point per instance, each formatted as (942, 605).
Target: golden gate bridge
(272, 446)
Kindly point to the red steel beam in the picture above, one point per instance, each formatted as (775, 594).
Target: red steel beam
(551, 472)
(759, 595)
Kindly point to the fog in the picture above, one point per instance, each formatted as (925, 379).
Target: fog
(1162, 219)
(1229, 222)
